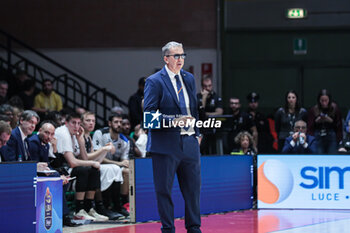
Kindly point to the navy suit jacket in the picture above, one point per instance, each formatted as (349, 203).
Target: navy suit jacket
(37, 150)
(159, 94)
(299, 149)
(14, 147)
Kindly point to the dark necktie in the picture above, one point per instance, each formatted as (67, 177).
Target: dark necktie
(26, 150)
(180, 93)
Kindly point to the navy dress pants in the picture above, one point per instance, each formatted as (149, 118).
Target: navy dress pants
(186, 165)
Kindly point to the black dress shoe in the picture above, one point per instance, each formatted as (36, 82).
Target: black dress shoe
(68, 221)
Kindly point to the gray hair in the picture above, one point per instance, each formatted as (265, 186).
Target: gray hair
(28, 114)
(169, 45)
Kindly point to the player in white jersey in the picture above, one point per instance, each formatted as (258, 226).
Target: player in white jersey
(112, 135)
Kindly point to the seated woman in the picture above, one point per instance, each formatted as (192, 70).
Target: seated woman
(245, 142)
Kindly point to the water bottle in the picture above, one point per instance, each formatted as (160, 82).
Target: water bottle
(301, 140)
(20, 158)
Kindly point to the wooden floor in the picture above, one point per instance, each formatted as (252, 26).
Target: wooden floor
(252, 221)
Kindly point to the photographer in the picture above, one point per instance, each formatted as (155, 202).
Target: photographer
(300, 142)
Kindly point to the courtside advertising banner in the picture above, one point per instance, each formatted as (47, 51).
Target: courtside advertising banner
(304, 181)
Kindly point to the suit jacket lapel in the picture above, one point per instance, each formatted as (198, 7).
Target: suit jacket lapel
(169, 85)
(21, 145)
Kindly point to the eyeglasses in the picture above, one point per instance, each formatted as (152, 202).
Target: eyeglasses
(177, 56)
(234, 103)
(299, 127)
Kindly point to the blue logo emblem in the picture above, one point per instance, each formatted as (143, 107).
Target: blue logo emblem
(151, 120)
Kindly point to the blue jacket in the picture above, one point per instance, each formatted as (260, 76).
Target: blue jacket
(160, 95)
(37, 150)
(14, 147)
(299, 149)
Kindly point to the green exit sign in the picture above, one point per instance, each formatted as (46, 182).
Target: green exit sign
(296, 13)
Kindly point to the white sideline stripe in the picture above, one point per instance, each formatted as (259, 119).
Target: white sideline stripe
(337, 226)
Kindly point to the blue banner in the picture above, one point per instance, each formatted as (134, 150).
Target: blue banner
(226, 186)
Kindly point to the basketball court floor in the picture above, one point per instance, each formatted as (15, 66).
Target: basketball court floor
(247, 221)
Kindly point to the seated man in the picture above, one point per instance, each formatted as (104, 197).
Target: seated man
(299, 142)
(134, 150)
(17, 147)
(70, 143)
(5, 133)
(119, 158)
(47, 100)
(111, 174)
(39, 146)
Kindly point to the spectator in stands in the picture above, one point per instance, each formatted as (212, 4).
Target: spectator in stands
(118, 110)
(55, 118)
(5, 118)
(80, 110)
(3, 91)
(265, 138)
(246, 144)
(5, 133)
(300, 142)
(111, 174)
(209, 104)
(344, 145)
(240, 121)
(16, 85)
(17, 147)
(39, 145)
(133, 151)
(120, 157)
(286, 116)
(47, 100)
(6, 109)
(134, 104)
(28, 94)
(325, 123)
(70, 143)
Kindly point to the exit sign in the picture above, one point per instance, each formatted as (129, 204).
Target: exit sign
(296, 13)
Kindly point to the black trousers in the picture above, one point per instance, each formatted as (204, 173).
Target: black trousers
(88, 179)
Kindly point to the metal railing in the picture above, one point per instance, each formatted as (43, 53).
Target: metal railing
(75, 90)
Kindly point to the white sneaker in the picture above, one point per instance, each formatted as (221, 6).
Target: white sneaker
(82, 214)
(97, 216)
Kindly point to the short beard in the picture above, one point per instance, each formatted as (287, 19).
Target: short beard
(116, 130)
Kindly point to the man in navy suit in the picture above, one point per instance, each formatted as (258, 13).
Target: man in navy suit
(299, 142)
(172, 92)
(17, 147)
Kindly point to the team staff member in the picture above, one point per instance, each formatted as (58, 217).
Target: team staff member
(209, 104)
(172, 91)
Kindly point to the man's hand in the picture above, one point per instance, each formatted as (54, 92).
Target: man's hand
(80, 133)
(96, 165)
(41, 166)
(124, 163)
(295, 136)
(111, 147)
(54, 144)
(64, 179)
(183, 120)
(204, 93)
(108, 147)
